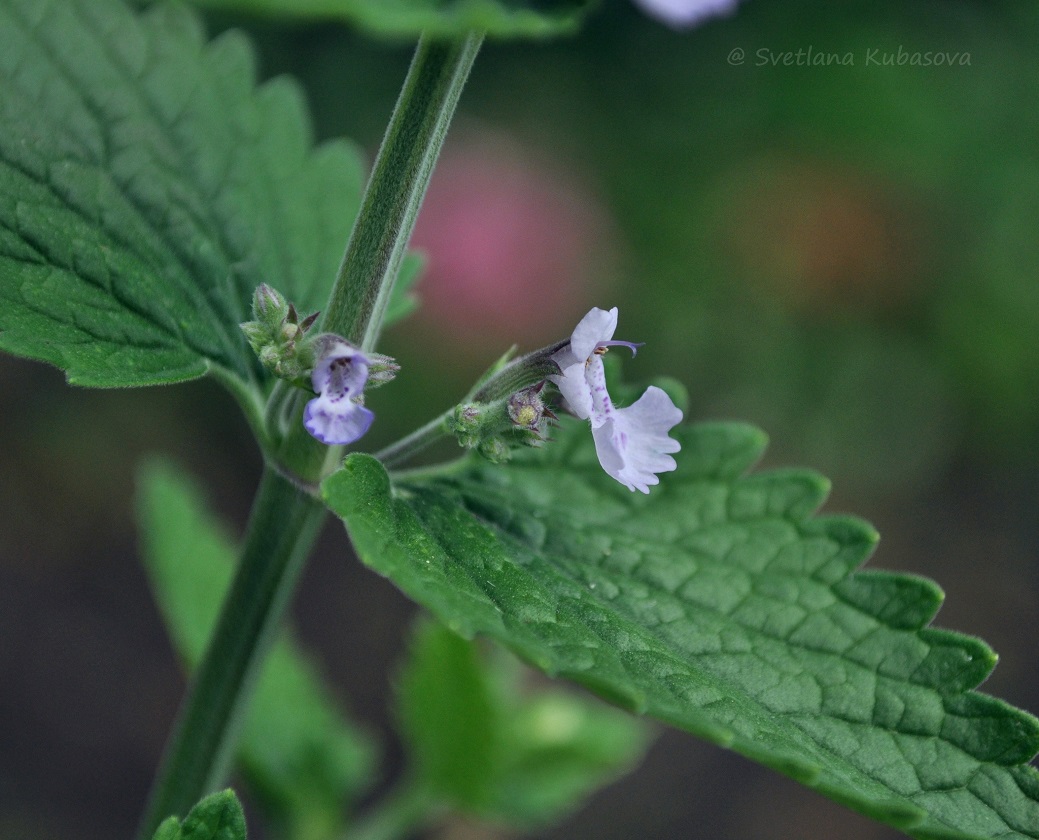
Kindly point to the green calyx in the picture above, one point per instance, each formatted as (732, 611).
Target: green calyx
(494, 429)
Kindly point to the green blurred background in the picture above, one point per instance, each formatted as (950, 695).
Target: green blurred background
(846, 256)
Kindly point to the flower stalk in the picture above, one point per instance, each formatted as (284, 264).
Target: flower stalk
(398, 184)
(377, 244)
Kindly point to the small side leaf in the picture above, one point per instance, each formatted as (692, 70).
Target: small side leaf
(560, 748)
(217, 817)
(721, 604)
(147, 187)
(448, 716)
(304, 761)
(479, 741)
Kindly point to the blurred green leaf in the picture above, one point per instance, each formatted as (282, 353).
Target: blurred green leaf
(299, 754)
(448, 716)
(148, 187)
(559, 748)
(443, 18)
(519, 757)
(721, 605)
(217, 817)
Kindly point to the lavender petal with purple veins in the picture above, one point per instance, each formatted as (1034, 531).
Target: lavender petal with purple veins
(684, 14)
(336, 415)
(632, 443)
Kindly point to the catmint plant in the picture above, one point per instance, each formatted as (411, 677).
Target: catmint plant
(164, 218)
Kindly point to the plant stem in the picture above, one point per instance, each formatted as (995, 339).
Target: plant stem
(282, 528)
(387, 216)
(496, 384)
(398, 184)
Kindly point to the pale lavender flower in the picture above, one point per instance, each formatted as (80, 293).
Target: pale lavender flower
(632, 443)
(336, 415)
(684, 14)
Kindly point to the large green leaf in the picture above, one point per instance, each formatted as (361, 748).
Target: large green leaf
(298, 752)
(217, 817)
(719, 604)
(147, 187)
(444, 18)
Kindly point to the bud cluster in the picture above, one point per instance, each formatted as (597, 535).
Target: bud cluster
(279, 338)
(494, 428)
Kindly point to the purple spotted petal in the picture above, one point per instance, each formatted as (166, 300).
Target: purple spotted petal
(336, 416)
(632, 443)
(595, 329)
(342, 368)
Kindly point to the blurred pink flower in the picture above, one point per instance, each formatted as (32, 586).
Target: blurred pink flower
(513, 245)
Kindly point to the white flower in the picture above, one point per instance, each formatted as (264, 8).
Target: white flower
(336, 415)
(683, 14)
(632, 443)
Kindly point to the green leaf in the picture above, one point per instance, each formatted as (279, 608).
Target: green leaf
(147, 186)
(448, 716)
(217, 817)
(721, 605)
(297, 751)
(479, 741)
(444, 18)
(558, 748)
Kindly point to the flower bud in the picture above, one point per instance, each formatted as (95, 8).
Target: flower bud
(278, 337)
(268, 303)
(495, 450)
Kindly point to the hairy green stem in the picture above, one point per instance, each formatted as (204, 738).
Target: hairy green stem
(398, 183)
(498, 383)
(282, 528)
(380, 235)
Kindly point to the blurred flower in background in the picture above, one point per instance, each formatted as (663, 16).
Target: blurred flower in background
(686, 13)
(515, 244)
(817, 238)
